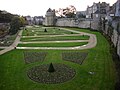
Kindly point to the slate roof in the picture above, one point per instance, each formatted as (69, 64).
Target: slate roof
(97, 12)
(49, 10)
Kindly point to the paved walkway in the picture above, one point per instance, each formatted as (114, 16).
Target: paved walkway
(65, 41)
(52, 35)
(11, 47)
(3, 47)
(91, 43)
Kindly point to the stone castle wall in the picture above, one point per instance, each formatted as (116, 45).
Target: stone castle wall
(115, 36)
(116, 41)
(87, 23)
(118, 48)
(93, 24)
(81, 23)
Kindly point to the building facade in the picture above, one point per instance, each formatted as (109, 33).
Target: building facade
(29, 20)
(97, 10)
(38, 20)
(117, 13)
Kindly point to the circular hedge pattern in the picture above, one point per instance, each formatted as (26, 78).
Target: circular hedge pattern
(40, 74)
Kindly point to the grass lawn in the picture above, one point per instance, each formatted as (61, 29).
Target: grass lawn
(68, 44)
(85, 37)
(40, 31)
(99, 60)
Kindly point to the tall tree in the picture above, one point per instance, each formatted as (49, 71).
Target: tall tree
(22, 21)
(5, 17)
(15, 25)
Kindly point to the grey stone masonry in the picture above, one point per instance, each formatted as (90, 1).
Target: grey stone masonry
(81, 23)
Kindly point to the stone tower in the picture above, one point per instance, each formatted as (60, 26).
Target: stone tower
(50, 17)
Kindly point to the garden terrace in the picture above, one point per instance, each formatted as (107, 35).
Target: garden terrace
(40, 31)
(16, 74)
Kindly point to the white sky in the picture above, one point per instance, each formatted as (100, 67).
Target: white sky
(39, 7)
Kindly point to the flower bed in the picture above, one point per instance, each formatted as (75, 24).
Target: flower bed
(76, 57)
(40, 74)
(8, 40)
(31, 57)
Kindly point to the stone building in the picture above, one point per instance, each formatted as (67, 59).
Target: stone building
(29, 20)
(38, 20)
(50, 17)
(117, 8)
(97, 10)
(112, 10)
(80, 14)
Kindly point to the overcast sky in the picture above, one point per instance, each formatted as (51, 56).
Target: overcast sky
(39, 7)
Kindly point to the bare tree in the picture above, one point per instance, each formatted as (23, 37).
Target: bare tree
(67, 12)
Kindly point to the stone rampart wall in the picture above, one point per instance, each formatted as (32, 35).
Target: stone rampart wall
(81, 23)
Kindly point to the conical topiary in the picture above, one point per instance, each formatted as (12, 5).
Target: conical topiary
(45, 30)
(51, 68)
